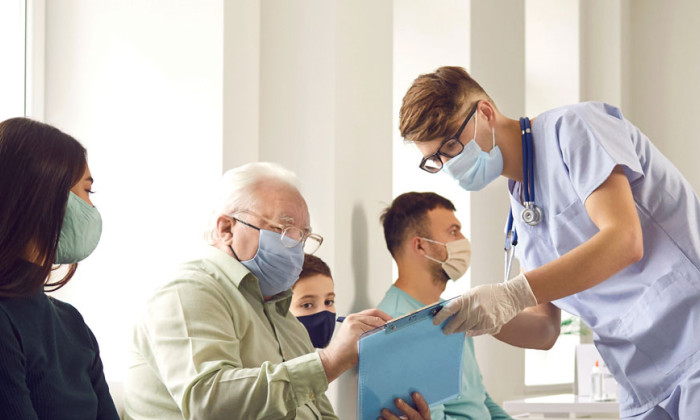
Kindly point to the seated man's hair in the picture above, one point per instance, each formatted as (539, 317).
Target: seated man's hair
(237, 190)
(406, 216)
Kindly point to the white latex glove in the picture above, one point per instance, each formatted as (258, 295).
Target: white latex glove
(486, 308)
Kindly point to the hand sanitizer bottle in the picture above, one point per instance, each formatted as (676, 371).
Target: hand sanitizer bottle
(597, 382)
(609, 384)
(603, 385)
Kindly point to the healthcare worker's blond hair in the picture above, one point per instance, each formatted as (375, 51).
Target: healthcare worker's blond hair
(437, 103)
(236, 190)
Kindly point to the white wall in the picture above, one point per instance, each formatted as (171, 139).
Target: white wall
(241, 88)
(297, 104)
(662, 65)
(498, 63)
(325, 113)
(427, 35)
(12, 16)
(139, 84)
(601, 51)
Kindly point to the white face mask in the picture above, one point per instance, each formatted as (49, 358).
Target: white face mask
(459, 254)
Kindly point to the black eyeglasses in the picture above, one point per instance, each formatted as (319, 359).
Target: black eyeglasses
(291, 236)
(450, 148)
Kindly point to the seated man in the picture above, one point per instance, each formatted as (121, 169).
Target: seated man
(313, 300)
(218, 341)
(425, 239)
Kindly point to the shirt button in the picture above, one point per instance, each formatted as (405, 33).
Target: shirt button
(312, 396)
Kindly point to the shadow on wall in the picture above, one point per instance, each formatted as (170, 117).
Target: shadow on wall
(359, 257)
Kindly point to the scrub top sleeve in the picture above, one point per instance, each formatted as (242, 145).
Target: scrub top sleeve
(593, 140)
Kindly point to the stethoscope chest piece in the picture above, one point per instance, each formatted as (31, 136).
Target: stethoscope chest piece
(531, 214)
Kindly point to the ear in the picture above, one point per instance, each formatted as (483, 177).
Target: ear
(416, 246)
(224, 225)
(487, 111)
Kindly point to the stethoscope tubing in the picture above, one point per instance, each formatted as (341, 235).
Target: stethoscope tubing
(528, 194)
(528, 166)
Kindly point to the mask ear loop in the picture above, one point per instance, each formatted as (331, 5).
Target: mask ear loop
(437, 242)
(476, 122)
(493, 135)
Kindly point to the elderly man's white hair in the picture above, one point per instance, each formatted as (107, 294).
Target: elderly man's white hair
(237, 189)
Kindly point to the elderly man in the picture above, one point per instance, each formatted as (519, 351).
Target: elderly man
(425, 239)
(218, 341)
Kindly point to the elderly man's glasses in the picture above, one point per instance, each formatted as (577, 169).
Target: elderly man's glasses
(449, 148)
(291, 236)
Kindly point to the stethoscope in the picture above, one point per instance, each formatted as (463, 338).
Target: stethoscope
(531, 214)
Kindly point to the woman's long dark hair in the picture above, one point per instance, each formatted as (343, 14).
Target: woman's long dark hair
(39, 164)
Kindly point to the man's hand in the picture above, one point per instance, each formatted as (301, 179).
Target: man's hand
(486, 308)
(341, 353)
(421, 412)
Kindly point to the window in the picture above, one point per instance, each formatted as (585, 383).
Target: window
(12, 50)
(556, 366)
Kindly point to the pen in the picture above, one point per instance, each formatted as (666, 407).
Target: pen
(340, 319)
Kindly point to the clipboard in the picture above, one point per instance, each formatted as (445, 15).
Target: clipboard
(406, 355)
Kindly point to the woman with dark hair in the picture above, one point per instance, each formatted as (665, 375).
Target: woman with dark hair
(50, 365)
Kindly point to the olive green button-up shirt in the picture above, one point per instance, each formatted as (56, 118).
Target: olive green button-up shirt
(209, 347)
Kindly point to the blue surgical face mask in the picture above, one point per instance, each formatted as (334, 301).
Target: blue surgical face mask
(320, 327)
(80, 232)
(276, 266)
(474, 169)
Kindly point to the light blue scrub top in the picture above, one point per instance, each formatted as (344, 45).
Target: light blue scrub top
(473, 402)
(646, 318)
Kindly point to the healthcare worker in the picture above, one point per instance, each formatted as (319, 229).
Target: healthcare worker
(607, 229)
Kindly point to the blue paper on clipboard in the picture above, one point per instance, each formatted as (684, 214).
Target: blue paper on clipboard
(406, 355)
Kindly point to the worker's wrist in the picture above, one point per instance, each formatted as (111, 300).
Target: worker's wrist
(522, 292)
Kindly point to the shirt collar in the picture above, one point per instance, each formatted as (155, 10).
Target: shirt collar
(415, 303)
(242, 278)
(228, 266)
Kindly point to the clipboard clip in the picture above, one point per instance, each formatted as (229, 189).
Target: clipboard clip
(412, 318)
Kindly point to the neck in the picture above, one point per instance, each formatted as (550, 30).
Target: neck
(511, 145)
(419, 283)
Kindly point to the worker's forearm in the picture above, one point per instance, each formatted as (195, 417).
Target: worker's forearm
(534, 328)
(587, 265)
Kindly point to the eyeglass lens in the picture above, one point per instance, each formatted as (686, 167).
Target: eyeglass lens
(293, 235)
(451, 148)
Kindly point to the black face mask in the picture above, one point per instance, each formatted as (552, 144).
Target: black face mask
(320, 327)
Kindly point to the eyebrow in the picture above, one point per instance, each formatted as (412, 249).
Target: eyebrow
(289, 221)
(285, 218)
(331, 294)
